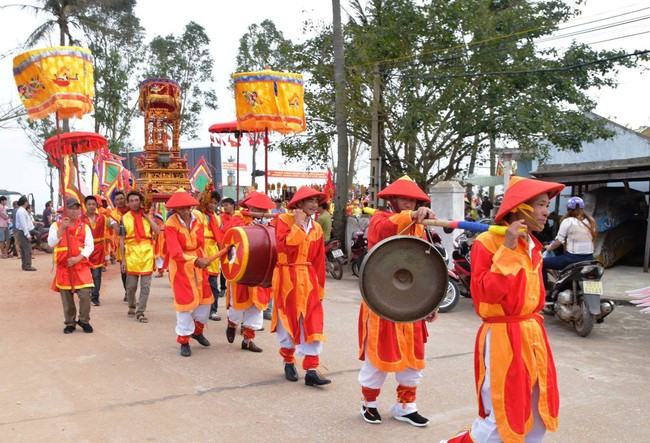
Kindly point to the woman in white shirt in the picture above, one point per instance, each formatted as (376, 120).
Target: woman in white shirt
(577, 232)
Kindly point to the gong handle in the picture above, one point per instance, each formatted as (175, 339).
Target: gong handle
(469, 226)
(258, 214)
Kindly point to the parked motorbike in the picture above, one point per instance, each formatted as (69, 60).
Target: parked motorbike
(38, 241)
(334, 259)
(460, 255)
(359, 249)
(453, 289)
(575, 298)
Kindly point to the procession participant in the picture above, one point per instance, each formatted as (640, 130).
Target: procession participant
(246, 303)
(160, 249)
(188, 273)
(515, 377)
(227, 211)
(102, 208)
(97, 224)
(136, 248)
(385, 346)
(121, 208)
(299, 286)
(213, 235)
(72, 242)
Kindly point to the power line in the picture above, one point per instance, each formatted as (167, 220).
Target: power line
(532, 71)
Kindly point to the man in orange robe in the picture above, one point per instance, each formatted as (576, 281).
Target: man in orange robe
(72, 242)
(188, 269)
(246, 303)
(213, 236)
(515, 377)
(136, 249)
(385, 346)
(299, 286)
(97, 224)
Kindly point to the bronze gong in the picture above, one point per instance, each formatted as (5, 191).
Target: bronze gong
(403, 279)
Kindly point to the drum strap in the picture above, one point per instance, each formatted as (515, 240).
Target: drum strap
(512, 318)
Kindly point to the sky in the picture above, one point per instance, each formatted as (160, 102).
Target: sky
(225, 22)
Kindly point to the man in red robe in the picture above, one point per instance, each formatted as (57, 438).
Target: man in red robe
(72, 242)
(188, 269)
(97, 224)
(299, 286)
(515, 377)
(385, 346)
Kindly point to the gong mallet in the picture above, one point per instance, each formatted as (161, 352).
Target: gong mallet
(468, 226)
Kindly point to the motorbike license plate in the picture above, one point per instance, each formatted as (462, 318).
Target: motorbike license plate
(336, 253)
(592, 287)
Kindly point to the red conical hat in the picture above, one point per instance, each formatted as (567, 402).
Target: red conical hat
(257, 200)
(180, 199)
(521, 190)
(404, 187)
(303, 193)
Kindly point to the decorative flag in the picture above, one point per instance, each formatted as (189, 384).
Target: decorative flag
(70, 186)
(499, 168)
(56, 79)
(200, 176)
(270, 100)
(329, 186)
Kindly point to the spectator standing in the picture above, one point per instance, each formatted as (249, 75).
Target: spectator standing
(24, 227)
(486, 207)
(47, 215)
(325, 220)
(4, 228)
(279, 209)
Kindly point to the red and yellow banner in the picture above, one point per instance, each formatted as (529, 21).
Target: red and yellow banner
(314, 175)
(230, 166)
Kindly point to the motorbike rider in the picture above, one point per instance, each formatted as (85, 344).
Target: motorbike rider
(577, 232)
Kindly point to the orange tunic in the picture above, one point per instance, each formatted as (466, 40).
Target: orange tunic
(299, 279)
(71, 245)
(98, 229)
(508, 293)
(392, 347)
(184, 245)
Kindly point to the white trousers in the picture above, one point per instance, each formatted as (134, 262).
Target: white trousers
(286, 341)
(185, 319)
(251, 317)
(484, 430)
(159, 262)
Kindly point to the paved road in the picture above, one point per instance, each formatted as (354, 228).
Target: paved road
(126, 382)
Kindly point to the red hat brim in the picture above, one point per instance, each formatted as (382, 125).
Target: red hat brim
(257, 200)
(520, 190)
(181, 199)
(404, 187)
(303, 193)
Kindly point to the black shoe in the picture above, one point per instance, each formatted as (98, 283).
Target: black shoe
(185, 350)
(29, 269)
(69, 329)
(413, 418)
(314, 378)
(370, 415)
(250, 346)
(86, 327)
(201, 339)
(290, 372)
(95, 302)
(230, 333)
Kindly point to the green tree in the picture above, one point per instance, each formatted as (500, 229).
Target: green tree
(186, 59)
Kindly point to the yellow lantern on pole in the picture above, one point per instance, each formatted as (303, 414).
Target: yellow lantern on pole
(57, 80)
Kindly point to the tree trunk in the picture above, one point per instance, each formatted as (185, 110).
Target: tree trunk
(342, 179)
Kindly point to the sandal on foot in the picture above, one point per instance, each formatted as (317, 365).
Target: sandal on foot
(141, 318)
(131, 313)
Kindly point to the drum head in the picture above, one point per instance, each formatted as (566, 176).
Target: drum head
(403, 279)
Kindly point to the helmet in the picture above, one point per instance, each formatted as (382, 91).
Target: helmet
(575, 202)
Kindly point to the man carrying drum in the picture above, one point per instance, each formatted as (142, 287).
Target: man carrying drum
(247, 303)
(188, 269)
(299, 286)
(385, 346)
(515, 377)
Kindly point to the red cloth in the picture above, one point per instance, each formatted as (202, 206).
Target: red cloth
(370, 394)
(310, 362)
(287, 355)
(138, 225)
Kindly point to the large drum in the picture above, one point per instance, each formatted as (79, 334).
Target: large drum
(252, 255)
(403, 279)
